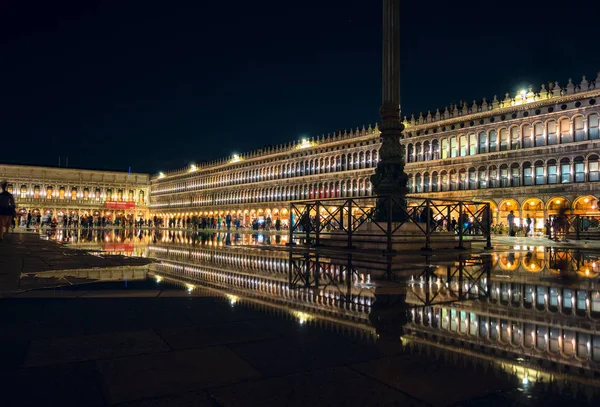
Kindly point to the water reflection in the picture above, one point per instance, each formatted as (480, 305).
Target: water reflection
(532, 312)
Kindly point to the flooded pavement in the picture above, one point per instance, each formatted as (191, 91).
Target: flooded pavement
(518, 325)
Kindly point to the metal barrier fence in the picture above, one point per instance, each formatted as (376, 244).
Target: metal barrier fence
(346, 218)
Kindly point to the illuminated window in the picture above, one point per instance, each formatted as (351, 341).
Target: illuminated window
(472, 144)
(579, 169)
(540, 178)
(74, 193)
(527, 136)
(482, 143)
(527, 174)
(552, 172)
(463, 146)
(565, 131)
(504, 179)
(565, 171)
(593, 127)
(23, 192)
(482, 178)
(593, 168)
(538, 135)
(504, 142)
(515, 143)
(453, 147)
(493, 141)
(445, 149)
(579, 128)
(551, 129)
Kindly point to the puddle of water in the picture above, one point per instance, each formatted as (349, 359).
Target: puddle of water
(531, 311)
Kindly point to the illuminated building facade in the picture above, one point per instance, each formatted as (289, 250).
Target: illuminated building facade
(261, 184)
(69, 191)
(534, 153)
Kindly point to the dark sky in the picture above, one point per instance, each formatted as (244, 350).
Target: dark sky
(158, 84)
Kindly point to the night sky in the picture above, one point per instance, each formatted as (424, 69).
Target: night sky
(156, 85)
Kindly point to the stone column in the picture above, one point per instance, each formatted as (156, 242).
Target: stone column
(389, 177)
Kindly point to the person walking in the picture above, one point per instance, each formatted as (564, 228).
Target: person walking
(511, 223)
(7, 209)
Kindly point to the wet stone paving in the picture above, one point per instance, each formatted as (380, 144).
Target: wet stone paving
(173, 318)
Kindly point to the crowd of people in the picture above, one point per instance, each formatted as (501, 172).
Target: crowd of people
(227, 222)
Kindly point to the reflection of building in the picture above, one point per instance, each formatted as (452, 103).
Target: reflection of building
(542, 326)
(534, 153)
(261, 278)
(73, 191)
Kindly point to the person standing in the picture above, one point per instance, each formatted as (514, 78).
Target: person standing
(7, 209)
(511, 223)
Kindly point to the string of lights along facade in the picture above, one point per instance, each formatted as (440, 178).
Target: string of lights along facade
(534, 153)
(68, 191)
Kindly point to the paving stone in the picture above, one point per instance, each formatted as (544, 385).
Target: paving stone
(417, 376)
(195, 399)
(92, 347)
(295, 354)
(172, 372)
(189, 337)
(76, 385)
(332, 387)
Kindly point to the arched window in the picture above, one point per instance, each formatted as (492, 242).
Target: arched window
(445, 185)
(426, 151)
(418, 152)
(453, 147)
(435, 149)
(565, 171)
(434, 182)
(361, 159)
(493, 141)
(472, 144)
(551, 130)
(463, 145)
(493, 177)
(482, 143)
(344, 162)
(593, 127)
(593, 170)
(579, 128)
(504, 141)
(410, 184)
(445, 148)
(472, 178)
(368, 159)
(527, 136)
(540, 178)
(410, 154)
(418, 183)
(483, 179)
(565, 131)
(579, 165)
(538, 135)
(515, 175)
(527, 174)
(462, 179)
(552, 172)
(426, 182)
(504, 176)
(515, 142)
(453, 180)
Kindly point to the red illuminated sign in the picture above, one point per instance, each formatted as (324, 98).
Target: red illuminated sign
(119, 205)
